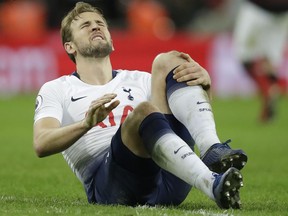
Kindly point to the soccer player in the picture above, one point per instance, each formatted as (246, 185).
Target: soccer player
(260, 36)
(128, 135)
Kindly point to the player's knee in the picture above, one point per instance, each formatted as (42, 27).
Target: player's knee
(144, 109)
(140, 113)
(164, 59)
(165, 62)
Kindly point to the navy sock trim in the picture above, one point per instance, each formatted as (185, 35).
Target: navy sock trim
(172, 84)
(129, 161)
(180, 130)
(152, 128)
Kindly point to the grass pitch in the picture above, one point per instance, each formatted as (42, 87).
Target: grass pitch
(33, 186)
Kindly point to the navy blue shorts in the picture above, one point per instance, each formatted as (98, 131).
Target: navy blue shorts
(123, 178)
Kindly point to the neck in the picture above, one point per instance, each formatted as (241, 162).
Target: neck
(95, 71)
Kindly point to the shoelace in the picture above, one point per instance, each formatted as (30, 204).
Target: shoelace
(227, 141)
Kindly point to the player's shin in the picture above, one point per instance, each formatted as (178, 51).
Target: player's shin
(191, 106)
(172, 154)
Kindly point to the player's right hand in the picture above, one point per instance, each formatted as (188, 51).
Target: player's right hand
(99, 109)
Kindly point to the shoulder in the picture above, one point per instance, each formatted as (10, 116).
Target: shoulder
(58, 83)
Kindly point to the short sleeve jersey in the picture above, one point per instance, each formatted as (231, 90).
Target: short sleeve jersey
(67, 99)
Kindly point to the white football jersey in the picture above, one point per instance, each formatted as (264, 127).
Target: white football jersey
(68, 98)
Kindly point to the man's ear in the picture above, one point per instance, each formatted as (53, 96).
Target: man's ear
(69, 47)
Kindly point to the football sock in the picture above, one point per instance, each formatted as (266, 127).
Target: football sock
(190, 105)
(180, 130)
(171, 153)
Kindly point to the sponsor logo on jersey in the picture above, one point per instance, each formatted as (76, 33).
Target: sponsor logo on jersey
(201, 102)
(73, 99)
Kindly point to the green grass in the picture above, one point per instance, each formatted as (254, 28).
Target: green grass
(33, 186)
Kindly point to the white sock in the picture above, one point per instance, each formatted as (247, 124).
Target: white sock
(190, 105)
(172, 154)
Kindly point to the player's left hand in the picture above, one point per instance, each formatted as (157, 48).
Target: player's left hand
(192, 73)
(99, 109)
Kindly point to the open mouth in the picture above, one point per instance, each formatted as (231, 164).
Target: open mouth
(97, 37)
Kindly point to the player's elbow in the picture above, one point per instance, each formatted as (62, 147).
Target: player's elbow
(39, 150)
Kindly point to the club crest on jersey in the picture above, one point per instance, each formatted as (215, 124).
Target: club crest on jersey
(130, 97)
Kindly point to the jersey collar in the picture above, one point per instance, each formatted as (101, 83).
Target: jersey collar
(114, 74)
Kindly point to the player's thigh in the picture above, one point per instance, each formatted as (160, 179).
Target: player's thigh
(171, 189)
(123, 177)
(130, 128)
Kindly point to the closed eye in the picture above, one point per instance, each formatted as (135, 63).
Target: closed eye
(100, 23)
(89, 23)
(85, 24)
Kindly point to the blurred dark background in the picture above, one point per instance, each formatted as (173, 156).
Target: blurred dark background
(118, 12)
(199, 15)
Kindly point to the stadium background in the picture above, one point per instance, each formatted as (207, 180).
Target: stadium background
(31, 52)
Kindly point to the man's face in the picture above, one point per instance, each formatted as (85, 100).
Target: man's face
(91, 37)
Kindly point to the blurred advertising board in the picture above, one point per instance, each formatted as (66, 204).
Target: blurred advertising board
(26, 66)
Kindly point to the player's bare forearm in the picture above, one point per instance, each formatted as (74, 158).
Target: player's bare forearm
(50, 138)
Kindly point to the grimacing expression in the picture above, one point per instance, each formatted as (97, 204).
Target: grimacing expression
(91, 37)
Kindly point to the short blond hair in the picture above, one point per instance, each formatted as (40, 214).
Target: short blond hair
(65, 31)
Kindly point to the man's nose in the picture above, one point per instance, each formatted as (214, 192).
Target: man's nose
(95, 27)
